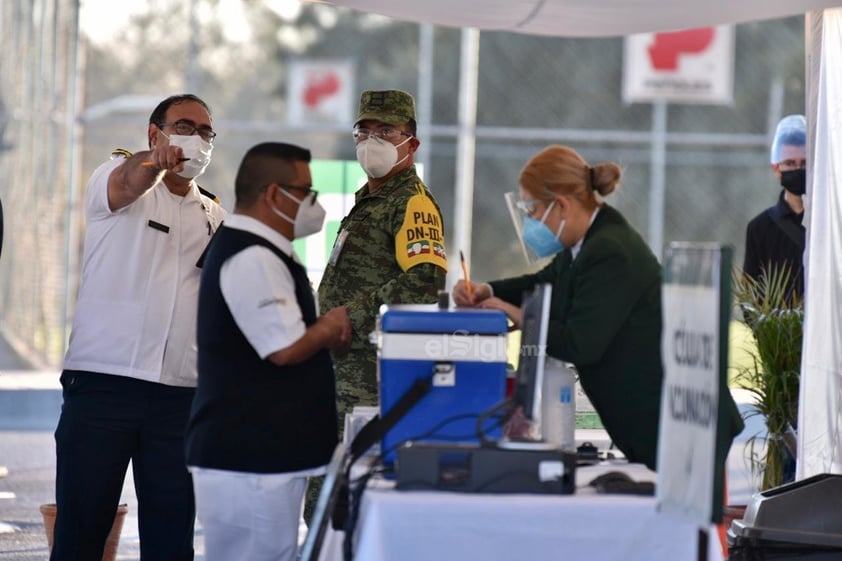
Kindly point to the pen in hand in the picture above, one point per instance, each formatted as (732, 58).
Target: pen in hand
(150, 164)
(467, 276)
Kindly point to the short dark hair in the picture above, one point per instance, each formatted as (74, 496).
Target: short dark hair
(160, 113)
(263, 164)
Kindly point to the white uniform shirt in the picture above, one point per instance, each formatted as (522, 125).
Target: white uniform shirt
(138, 295)
(260, 291)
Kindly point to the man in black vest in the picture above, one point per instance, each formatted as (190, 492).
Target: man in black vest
(775, 237)
(264, 416)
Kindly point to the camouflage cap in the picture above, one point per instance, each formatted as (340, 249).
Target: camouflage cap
(392, 107)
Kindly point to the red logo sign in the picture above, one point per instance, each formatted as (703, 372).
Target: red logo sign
(665, 51)
(320, 86)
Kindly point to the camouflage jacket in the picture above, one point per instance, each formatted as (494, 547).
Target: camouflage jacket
(389, 250)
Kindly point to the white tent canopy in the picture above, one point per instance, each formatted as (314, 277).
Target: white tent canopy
(820, 407)
(585, 18)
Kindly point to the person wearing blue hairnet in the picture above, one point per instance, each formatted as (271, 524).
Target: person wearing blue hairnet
(775, 237)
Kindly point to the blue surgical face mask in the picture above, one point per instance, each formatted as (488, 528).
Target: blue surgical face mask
(539, 237)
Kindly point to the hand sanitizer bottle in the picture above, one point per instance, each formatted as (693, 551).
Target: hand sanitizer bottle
(558, 404)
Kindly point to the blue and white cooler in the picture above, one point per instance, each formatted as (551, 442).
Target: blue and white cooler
(463, 350)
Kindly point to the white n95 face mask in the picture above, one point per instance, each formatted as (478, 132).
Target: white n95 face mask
(308, 221)
(195, 148)
(377, 156)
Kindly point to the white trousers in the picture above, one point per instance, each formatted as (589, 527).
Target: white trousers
(249, 516)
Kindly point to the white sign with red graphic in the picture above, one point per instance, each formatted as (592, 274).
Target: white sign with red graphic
(690, 66)
(321, 91)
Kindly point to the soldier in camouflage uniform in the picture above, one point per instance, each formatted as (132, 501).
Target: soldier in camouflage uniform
(390, 247)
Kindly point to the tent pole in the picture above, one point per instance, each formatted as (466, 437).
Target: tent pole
(658, 166)
(426, 50)
(465, 152)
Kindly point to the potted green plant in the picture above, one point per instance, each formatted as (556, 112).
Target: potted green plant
(775, 316)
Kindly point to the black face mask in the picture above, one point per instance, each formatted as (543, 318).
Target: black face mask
(794, 181)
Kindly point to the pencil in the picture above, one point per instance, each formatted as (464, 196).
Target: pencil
(465, 272)
(150, 164)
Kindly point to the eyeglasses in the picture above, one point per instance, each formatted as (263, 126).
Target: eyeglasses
(187, 128)
(386, 133)
(526, 207)
(308, 191)
(793, 164)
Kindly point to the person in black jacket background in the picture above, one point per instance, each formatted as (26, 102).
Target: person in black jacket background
(776, 236)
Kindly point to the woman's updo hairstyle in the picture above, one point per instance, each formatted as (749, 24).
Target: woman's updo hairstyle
(560, 170)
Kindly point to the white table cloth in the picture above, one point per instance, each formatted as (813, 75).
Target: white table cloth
(425, 525)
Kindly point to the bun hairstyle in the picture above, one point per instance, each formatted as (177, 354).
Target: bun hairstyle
(560, 170)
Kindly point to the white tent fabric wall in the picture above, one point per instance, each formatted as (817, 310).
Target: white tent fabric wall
(820, 406)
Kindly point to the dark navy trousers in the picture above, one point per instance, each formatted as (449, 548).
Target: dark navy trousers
(106, 421)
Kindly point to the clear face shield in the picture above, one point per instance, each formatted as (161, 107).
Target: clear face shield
(519, 210)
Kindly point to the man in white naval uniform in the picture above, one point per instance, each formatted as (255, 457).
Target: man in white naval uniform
(130, 370)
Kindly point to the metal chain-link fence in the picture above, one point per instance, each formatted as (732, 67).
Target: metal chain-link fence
(532, 91)
(38, 46)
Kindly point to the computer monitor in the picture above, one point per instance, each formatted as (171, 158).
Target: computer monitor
(533, 349)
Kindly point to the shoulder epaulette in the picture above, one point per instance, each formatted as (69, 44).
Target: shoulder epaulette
(120, 152)
(208, 194)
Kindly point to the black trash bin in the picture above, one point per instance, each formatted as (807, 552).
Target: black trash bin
(798, 521)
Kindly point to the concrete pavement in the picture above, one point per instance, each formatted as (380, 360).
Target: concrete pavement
(30, 402)
(28, 410)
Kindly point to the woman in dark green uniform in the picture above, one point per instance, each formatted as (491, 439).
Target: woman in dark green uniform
(606, 300)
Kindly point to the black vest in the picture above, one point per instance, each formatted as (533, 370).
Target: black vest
(249, 414)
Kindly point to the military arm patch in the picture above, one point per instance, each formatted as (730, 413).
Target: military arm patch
(421, 237)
